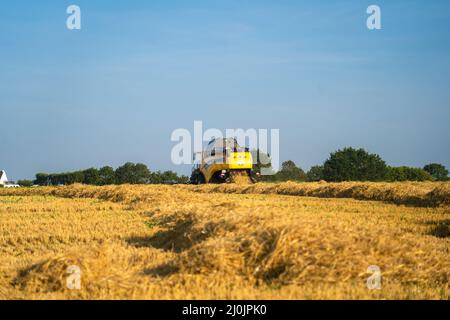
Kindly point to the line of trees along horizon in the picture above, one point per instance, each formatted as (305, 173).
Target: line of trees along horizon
(350, 164)
(129, 173)
(346, 164)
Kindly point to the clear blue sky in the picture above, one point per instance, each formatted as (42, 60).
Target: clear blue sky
(115, 90)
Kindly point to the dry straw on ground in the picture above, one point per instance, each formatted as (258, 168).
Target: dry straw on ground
(226, 241)
(409, 193)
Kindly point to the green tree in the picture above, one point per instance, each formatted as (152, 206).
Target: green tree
(407, 174)
(25, 183)
(106, 176)
(351, 164)
(70, 177)
(396, 174)
(437, 171)
(167, 177)
(132, 173)
(124, 174)
(42, 179)
(91, 176)
(141, 173)
(290, 172)
(315, 173)
(155, 177)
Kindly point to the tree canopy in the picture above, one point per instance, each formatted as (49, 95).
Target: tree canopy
(351, 164)
(128, 173)
(437, 171)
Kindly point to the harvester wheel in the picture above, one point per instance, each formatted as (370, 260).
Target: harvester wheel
(197, 178)
(201, 178)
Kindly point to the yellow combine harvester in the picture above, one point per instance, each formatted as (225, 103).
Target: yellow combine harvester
(223, 160)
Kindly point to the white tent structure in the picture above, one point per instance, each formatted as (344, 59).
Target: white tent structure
(3, 178)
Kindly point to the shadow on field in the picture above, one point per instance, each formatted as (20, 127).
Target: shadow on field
(177, 236)
(163, 270)
(439, 229)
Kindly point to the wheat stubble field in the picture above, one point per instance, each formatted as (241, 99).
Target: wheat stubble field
(263, 241)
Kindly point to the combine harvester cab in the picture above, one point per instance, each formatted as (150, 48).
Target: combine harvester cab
(223, 160)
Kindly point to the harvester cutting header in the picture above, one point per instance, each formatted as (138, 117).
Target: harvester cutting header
(223, 160)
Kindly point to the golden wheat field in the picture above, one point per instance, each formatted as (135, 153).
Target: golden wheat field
(261, 241)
